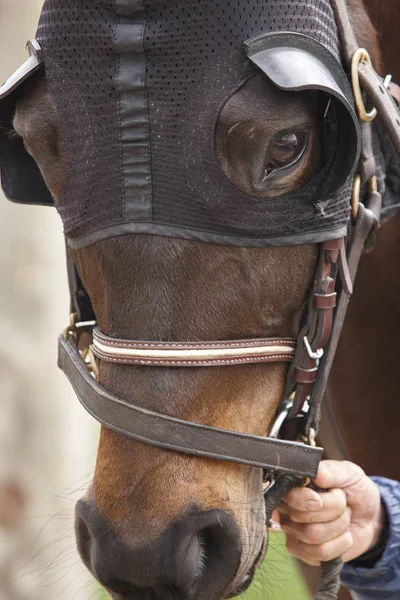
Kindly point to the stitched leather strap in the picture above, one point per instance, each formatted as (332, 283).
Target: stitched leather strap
(367, 220)
(382, 99)
(182, 436)
(191, 354)
(372, 83)
(347, 35)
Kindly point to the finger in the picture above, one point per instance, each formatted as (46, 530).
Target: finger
(333, 506)
(322, 552)
(297, 553)
(303, 499)
(317, 533)
(338, 474)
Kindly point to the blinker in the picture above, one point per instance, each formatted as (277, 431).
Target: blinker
(21, 178)
(297, 62)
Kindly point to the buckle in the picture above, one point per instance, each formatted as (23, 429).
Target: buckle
(355, 196)
(75, 330)
(314, 355)
(269, 481)
(309, 440)
(280, 418)
(91, 362)
(71, 328)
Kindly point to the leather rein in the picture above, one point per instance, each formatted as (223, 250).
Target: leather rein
(310, 356)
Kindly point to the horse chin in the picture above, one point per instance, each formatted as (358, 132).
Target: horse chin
(248, 578)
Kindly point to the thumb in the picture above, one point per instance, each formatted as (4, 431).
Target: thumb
(337, 474)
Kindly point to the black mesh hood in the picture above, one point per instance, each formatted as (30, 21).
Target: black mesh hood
(139, 86)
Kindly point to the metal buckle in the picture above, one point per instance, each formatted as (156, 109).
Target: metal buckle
(310, 441)
(71, 329)
(91, 362)
(75, 330)
(271, 481)
(283, 412)
(317, 355)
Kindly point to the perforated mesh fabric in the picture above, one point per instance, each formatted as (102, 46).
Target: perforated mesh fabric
(143, 158)
(81, 65)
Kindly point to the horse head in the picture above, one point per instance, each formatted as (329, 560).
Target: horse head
(158, 523)
(155, 518)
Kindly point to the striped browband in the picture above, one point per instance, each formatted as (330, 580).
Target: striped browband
(192, 354)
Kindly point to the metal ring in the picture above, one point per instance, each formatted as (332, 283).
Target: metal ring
(361, 55)
(355, 197)
(282, 414)
(373, 184)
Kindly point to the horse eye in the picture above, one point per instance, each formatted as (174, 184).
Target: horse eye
(285, 150)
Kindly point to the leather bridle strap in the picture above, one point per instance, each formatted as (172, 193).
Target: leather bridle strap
(182, 436)
(367, 221)
(191, 354)
(80, 303)
(378, 92)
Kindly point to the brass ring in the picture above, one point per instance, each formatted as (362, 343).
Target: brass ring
(355, 197)
(361, 55)
(373, 184)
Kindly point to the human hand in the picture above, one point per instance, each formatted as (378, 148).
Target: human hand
(345, 521)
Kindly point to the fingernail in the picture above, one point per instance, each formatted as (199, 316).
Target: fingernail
(313, 504)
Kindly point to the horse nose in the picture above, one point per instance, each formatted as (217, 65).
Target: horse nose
(196, 557)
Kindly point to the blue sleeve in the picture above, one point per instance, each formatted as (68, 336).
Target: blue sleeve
(383, 580)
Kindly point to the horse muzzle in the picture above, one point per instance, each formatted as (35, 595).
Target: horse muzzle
(196, 557)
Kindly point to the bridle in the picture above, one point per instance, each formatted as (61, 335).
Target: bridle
(285, 463)
(306, 380)
(310, 356)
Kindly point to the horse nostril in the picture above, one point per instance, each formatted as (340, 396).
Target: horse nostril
(207, 547)
(219, 548)
(83, 539)
(197, 556)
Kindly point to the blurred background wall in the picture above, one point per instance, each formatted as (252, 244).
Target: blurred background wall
(47, 441)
